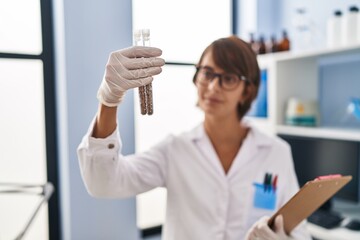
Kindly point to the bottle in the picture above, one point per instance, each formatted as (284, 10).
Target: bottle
(303, 30)
(262, 45)
(350, 26)
(284, 44)
(333, 29)
(272, 46)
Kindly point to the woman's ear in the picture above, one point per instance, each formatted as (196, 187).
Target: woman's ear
(246, 94)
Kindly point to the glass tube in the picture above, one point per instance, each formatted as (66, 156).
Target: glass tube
(148, 88)
(137, 38)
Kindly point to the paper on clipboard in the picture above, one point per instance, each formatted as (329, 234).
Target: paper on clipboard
(308, 199)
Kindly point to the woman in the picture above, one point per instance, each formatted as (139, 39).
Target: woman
(212, 173)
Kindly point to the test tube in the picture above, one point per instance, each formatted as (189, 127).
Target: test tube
(148, 88)
(137, 38)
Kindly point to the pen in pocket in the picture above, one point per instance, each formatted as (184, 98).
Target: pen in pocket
(274, 183)
(267, 182)
(270, 182)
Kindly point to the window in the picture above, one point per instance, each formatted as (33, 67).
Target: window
(28, 127)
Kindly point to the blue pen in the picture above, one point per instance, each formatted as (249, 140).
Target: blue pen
(265, 181)
(269, 185)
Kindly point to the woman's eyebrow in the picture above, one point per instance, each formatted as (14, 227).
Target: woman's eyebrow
(208, 68)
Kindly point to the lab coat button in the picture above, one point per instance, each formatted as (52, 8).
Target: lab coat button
(111, 146)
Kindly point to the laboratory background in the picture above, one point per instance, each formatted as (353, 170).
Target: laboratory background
(52, 59)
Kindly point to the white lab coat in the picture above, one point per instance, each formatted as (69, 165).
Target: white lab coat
(203, 203)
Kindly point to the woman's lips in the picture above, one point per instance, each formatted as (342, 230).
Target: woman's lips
(212, 100)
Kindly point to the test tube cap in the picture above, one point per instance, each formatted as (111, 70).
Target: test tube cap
(137, 34)
(145, 33)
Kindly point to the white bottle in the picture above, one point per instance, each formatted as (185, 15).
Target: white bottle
(350, 26)
(333, 29)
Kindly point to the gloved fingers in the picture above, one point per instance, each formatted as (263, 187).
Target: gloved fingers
(263, 231)
(140, 51)
(141, 73)
(265, 234)
(137, 83)
(137, 68)
(118, 64)
(136, 63)
(279, 224)
(255, 236)
(263, 221)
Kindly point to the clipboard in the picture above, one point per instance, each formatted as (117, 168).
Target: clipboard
(308, 199)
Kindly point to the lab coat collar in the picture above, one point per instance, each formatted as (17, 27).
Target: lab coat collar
(255, 145)
(256, 142)
(258, 138)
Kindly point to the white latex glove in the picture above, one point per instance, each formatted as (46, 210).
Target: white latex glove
(261, 231)
(128, 68)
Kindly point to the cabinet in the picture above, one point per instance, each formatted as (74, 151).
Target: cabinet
(330, 77)
(300, 75)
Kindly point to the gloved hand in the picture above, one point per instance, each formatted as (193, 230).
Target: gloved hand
(128, 68)
(261, 231)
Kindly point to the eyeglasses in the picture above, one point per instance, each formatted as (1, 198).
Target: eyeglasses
(227, 81)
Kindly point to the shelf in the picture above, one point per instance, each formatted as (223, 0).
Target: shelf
(319, 132)
(301, 75)
(292, 55)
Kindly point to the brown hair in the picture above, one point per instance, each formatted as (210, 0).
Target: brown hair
(234, 55)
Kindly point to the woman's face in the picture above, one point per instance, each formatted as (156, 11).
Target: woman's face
(213, 99)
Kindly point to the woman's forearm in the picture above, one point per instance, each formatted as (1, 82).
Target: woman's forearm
(105, 121)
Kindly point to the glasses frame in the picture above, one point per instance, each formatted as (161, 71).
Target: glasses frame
(220, 77)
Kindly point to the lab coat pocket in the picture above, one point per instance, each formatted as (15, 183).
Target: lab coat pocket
(263, 203)
(264, 197)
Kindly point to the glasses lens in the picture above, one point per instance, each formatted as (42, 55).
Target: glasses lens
(205, 75)
(229, 81)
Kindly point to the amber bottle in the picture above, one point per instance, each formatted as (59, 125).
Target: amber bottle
(284, 44)
(262, 45)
